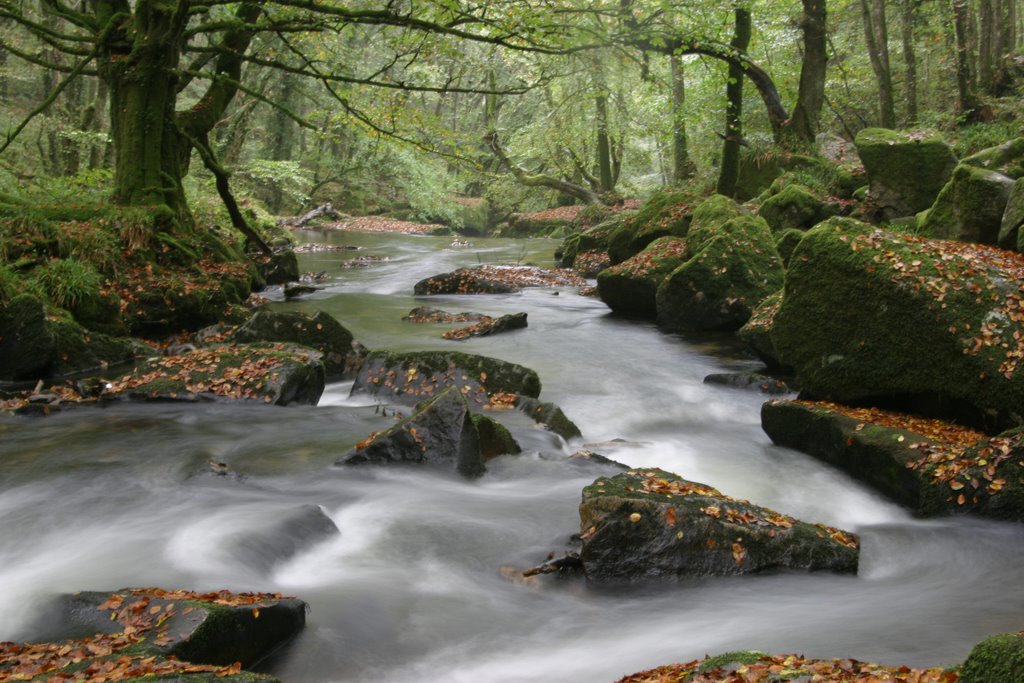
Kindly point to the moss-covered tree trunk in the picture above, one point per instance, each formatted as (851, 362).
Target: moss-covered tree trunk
(730, 170)
(682, 170)
(909, 60)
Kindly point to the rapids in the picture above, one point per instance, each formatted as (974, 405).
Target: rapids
(411, 590)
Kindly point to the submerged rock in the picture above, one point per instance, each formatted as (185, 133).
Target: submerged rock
(644, 524)
(426, 315)
(440, 432)
(931, 466)
(284, 537)
(320, 331)
(413, 376)
(749, 380)
(919, 324)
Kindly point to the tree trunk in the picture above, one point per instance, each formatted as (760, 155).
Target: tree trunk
(681, 169)
(988, 45)
(539, 179)
(730, 170)
(807, 112)
(966, 99)
(909, 61)
(604, 145)
(876, 37)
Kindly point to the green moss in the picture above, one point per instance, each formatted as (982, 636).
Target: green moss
(794, 206)
(495, 439)
(710, 215)
(970, 207)
(756, 332)
(665, 213)
(906, 169)
(1006, 158)
(999, 659)
(79, 350)
(785, 243)
(630, 288)
(730, 660)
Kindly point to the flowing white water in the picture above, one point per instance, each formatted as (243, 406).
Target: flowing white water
(411, 590)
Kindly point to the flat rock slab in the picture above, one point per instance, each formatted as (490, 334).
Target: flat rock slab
(931, 466)
(491, 279)
(485, 328)
(414, 376)
(645, 524)
(425, 315)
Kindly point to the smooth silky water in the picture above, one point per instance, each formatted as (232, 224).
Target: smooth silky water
(412, 590)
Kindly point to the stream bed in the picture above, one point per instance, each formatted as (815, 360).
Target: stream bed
(412, 588)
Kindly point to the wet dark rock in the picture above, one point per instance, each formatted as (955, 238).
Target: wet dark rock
(213, 628)
(293, 290)
(280, 268)
(587, 457)
(413, 376)
(549, 415)
(321, 332)
(427, 315)
(644, 524)
(749, 380)
(26, 339)
(441, 432)
(489, 279)
(284, 537)
(495, 439)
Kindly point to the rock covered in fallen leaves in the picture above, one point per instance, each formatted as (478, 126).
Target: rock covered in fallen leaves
(999, 659)
(730, 269)
(594, 239)
(285, 535)
(666, 213)
(275, 373)
(131, 633)
(871, 314)
(756, 332)
(441, 432)
(906, 169)
(645, 524)
(750, 665)
(485, 328)
(629, 288)
(970, 207)
(932, 466)
(493, 279)
(425, 315)
(320, 331)
(549, 415)
(413, 376)
(590, 263)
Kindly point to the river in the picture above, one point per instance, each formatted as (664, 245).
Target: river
(411, 590)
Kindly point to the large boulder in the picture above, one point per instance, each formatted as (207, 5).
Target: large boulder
(999, 659)
(27, 341)
(970, 207)
(1010, 234)
(155, 631)
(321, 332)
(652, 524)
(279, 373)
(918, 323)
(79, 350)
(666, 213)
(441, 432)
(906, 169)
(630, 288)
(756, 332)
(726, 277)
(931, 466)
(279, 268)
(794, 206)
(414, 376)
(591, 239)
(1007, 158)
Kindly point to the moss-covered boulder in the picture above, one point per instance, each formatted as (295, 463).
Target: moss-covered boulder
(441, 432)
(726, 277)
(794, 206)
(756, 332)
(279, 268)
(27, 340)
(589, 264)
(549, 415)
(277, 373)
(630, 288)
(417, 375)
(78, 350)
(970, 207)
(495, 439)
(321, 332)
(645, 524)
(1010, 234)
(710, 215)
(919, 323)
(785, 243)
(1007, 158)
(931, 466)
(150, 632)
(999, 659)
(906, 169)
(666, 213)
(591, 239)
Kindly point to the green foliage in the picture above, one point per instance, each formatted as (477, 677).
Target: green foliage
(282, 183)
(10, 284)
(67, 283)
(974, 138)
